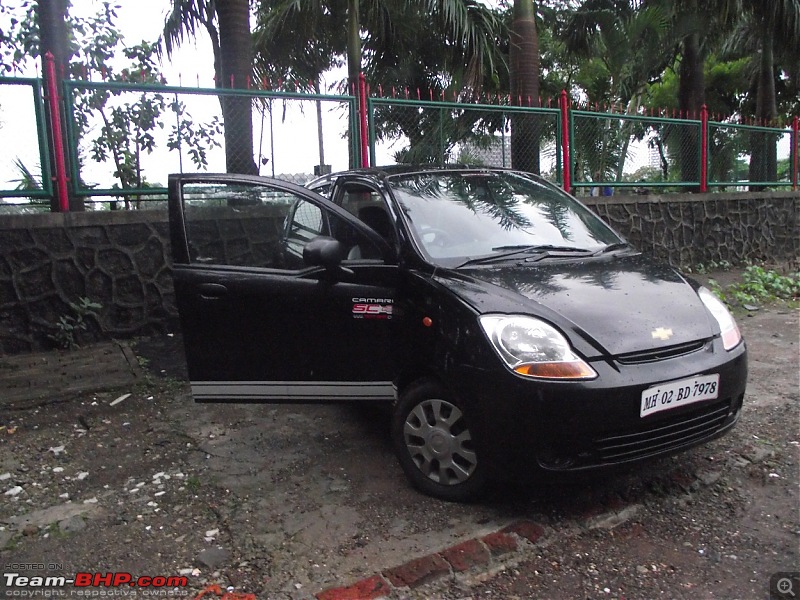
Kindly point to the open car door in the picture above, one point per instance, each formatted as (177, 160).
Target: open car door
(262, 320)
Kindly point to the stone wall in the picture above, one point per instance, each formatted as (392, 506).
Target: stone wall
(121, 259)
(118, 259)
(693, 229)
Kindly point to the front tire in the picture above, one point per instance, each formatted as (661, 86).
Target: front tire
(434, 443)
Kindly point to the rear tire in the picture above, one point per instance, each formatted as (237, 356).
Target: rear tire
(435, 445)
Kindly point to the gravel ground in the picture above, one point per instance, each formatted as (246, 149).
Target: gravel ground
(283, 502)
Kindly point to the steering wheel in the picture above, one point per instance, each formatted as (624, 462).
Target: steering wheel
(433, 236)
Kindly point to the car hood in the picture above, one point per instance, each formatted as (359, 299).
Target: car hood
(618, 304)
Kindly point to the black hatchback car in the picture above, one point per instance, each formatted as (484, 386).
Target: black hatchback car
(505, 324)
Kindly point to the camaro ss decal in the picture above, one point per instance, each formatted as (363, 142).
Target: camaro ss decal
(292, 390)
(373, 308)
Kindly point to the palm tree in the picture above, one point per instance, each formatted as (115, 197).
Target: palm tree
(770, 28)
(236, 61)
(297, 52)
(381, 39)
(353, 44)
(524, 79)
(696, 28)
(227, 23)
(622, 48)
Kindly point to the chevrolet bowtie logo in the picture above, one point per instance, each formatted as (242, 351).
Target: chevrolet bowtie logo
(661, 334)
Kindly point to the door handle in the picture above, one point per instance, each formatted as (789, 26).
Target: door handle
(212, 291)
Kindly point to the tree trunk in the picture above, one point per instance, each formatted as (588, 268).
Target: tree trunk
(764, 155)
(524, 74)
(691, 97)
(53, 38)
(353, 72)
(236, 66)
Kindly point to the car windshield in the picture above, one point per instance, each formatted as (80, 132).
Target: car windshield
(465, 217)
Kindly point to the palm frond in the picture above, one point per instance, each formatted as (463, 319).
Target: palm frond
(26, 181)
(184, 20)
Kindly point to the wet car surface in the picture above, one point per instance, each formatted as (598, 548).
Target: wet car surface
(507, 327)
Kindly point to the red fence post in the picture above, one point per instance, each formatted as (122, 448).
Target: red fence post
(565, 140)
(58, 139)
(795, 150)
(362, 114)
(704, 148)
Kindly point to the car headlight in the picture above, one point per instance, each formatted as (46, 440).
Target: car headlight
(730, 331)
(531, 347)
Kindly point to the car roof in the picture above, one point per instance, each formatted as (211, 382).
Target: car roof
(389, 171)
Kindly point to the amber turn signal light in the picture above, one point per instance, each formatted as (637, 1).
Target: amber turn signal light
(557, 370)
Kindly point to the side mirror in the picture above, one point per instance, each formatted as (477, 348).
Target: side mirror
(325, 252)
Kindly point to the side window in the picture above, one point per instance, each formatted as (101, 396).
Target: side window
(368, 205)
(323, 189)
(235, 224)
(307, 222)
(247, 225)
(354, 200)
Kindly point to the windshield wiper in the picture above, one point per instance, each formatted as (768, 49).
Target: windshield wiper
(506, 252)
(540, 248)
(611, 248)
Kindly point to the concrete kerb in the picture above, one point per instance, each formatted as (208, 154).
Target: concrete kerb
(475, 557)
(479, 559)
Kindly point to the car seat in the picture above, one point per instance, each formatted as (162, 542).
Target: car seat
(376, 218)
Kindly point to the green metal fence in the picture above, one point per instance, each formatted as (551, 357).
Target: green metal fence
(633, 151)
(744, 155)
(123, 139)
(435, 132)
(182, 129)
(25, 160)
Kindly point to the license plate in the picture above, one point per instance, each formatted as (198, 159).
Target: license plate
(673, 394)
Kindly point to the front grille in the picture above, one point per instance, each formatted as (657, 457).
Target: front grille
(635, 358)
(663, 435)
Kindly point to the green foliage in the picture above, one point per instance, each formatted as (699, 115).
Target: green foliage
(762, 285)
(68, 328)
(26, 181)
(193, 483)
(19, 40)
(702, 269)
(198, 137)
(623, 44)
(716, 289)
(129, 120)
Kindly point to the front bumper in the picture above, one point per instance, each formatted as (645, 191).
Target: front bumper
(528, 424)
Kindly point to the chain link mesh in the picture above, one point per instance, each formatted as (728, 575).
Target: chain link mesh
(131, 137)
(633, 151)
(24, 161)
(446, 133)
(741, 155)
